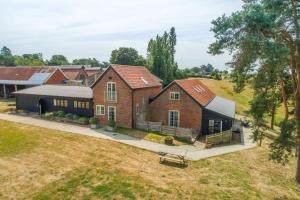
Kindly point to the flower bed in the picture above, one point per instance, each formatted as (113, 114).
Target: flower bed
(60, 116)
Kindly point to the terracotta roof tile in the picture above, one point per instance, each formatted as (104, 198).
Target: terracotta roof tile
(197, 90)
(22, 73)
(72, 73)
(137, 76)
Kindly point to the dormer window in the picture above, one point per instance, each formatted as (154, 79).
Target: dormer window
(174, 96)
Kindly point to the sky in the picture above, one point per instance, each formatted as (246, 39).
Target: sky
(93, 28)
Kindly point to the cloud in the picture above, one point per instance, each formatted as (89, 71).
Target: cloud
(92, 28)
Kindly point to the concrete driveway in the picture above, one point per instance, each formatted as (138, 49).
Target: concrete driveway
(191, 152)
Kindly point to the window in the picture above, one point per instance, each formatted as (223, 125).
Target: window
(174, 95)
(174, 118)
(137, 109)
(60, 103)
(111, 94)
(81, 104)
(100, 110)
(111, 113)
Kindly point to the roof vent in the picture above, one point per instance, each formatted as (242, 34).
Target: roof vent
(199, 89)
(146, 82)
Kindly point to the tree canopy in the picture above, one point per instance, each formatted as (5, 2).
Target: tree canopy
(265, 37)
(58, 60)
(127, 56)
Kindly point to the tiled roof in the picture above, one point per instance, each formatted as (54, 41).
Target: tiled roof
(22, 73)
(137, 76)
(197, 90)
(72, 73)
(93, 71)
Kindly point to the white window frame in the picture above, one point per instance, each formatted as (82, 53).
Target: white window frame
(169, 118)
(172, 96)
(109, 93)
(115, 109)
(100, 108)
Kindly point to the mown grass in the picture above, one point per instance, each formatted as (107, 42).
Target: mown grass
(7, 104)
(150, 136)
(70, 166)
(14, 141)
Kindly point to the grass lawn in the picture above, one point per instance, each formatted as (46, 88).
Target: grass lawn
(224, 88)
(150, 136)
(47, 164)
(7, 104)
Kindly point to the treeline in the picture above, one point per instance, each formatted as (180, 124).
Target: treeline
(36, 59)
(160, 60)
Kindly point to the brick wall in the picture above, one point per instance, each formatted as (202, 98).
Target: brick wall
(124, 99)
(56, 78)
(190, 111)
(141, 101)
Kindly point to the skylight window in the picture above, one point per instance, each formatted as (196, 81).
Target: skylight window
(199, 89)
(146, 82)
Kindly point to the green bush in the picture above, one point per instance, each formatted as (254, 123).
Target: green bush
(94, 120)
(49, 115)
(112, 123)
(83, 120)
(169, 140)
(69, 116)
(75, 117)
(60, 113)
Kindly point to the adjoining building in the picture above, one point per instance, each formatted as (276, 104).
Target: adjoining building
(49, 98)
(132, 94)
(81, 75)
(191, 104)
(17, 78)
(122, 93)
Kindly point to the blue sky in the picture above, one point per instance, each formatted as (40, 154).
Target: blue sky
(93, 28)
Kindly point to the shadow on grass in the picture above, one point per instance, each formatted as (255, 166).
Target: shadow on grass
(173, 164)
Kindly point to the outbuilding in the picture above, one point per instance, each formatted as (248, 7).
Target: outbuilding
(49, 98)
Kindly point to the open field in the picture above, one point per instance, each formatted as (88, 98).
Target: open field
(46, 164)
(224, 88)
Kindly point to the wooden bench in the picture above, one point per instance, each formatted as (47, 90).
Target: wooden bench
(172, 158)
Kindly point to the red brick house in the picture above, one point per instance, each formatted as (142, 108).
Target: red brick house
(191, 104)
(122, 93)
(16, 78)
(75, 74)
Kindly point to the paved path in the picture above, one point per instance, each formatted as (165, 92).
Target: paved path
(191, 152)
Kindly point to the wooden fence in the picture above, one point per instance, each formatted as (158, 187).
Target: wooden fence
(220, 138)
(166, 130)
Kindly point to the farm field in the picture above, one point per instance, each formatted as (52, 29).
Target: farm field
(37, 163)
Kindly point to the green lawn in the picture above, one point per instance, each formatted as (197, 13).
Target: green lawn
(46, 164)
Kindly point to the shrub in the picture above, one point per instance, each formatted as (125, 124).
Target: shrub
(75, 117)
(169, 140)
(83, 120)
(69, 116)
(60, 113)
(94, 120)
(49, 115)
(112, 123)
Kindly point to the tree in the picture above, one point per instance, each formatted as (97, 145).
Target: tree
(126, 56)
(93, 62)
(58, 60)
(247, 34)
(30, 60)
(5, 51)
(161, 57)
(6, 58)
(104, 64)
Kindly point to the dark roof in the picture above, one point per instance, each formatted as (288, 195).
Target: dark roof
(222, 106)
(59, 90)
(134, 76)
